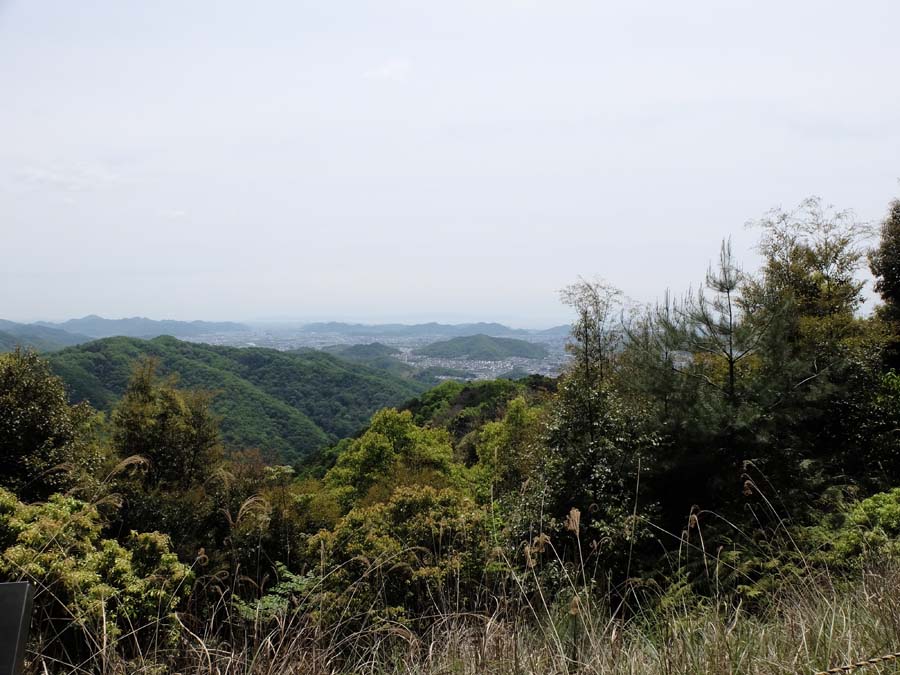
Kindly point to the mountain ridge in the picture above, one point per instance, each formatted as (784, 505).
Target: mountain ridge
(141, 327)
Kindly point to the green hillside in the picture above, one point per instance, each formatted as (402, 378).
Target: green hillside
(483, 348)
(287, 404)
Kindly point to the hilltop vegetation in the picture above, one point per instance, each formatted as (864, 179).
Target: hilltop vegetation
(483, 348)
(288, 404)
(712, 486)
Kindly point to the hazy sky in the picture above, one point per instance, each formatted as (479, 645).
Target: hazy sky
(419, 160)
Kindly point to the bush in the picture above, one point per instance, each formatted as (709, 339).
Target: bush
(424, 550)
(869, 528)
(91, 591)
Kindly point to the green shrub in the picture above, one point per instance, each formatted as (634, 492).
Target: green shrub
(91, 591)
(868, 528)
(423, 550)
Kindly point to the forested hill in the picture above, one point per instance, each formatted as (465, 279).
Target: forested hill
(483, 348)
(286, 404)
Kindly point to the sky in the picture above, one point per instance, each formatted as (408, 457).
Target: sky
(406, 161)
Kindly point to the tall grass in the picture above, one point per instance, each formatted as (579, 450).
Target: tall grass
(812, 624)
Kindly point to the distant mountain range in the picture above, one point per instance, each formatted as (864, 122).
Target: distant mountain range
(49, 336)
(427, 329)
(288, 404)
(37, 336)
(562, 331)
(483, 348)
(98, 327)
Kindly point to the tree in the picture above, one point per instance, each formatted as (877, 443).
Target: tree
(176, 435)
(172, 429)
(595, 336)
(818, 361)
(393, 451)
(811, 259)
(716, 329)
(509, 449)
(596, 330)
(45, 443)
(884, 261)
(599, 478)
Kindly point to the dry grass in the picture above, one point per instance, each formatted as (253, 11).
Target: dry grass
(810, 626)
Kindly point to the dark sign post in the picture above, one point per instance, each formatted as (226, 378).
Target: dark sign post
(15, 620)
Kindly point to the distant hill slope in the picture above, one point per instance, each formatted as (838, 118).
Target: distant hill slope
(483, 348)
(556, 331)
(36, 336)
(287, 404)
(98, 327)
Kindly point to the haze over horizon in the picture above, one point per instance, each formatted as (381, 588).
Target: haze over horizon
(287, 320)
(400, 161)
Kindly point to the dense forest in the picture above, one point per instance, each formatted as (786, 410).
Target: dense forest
(289, 404)
(713, 485)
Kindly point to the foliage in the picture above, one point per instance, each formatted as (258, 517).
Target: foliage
(867, 529)
(510, 449)
(424, 549)
(462, 408)
(393, 451)
(288, 404)
(595, 334)
(172, 430)
(592, 470)
(91, 591)
(45, 443)
(884, 261)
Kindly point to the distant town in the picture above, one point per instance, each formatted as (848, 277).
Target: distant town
(407, 340)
